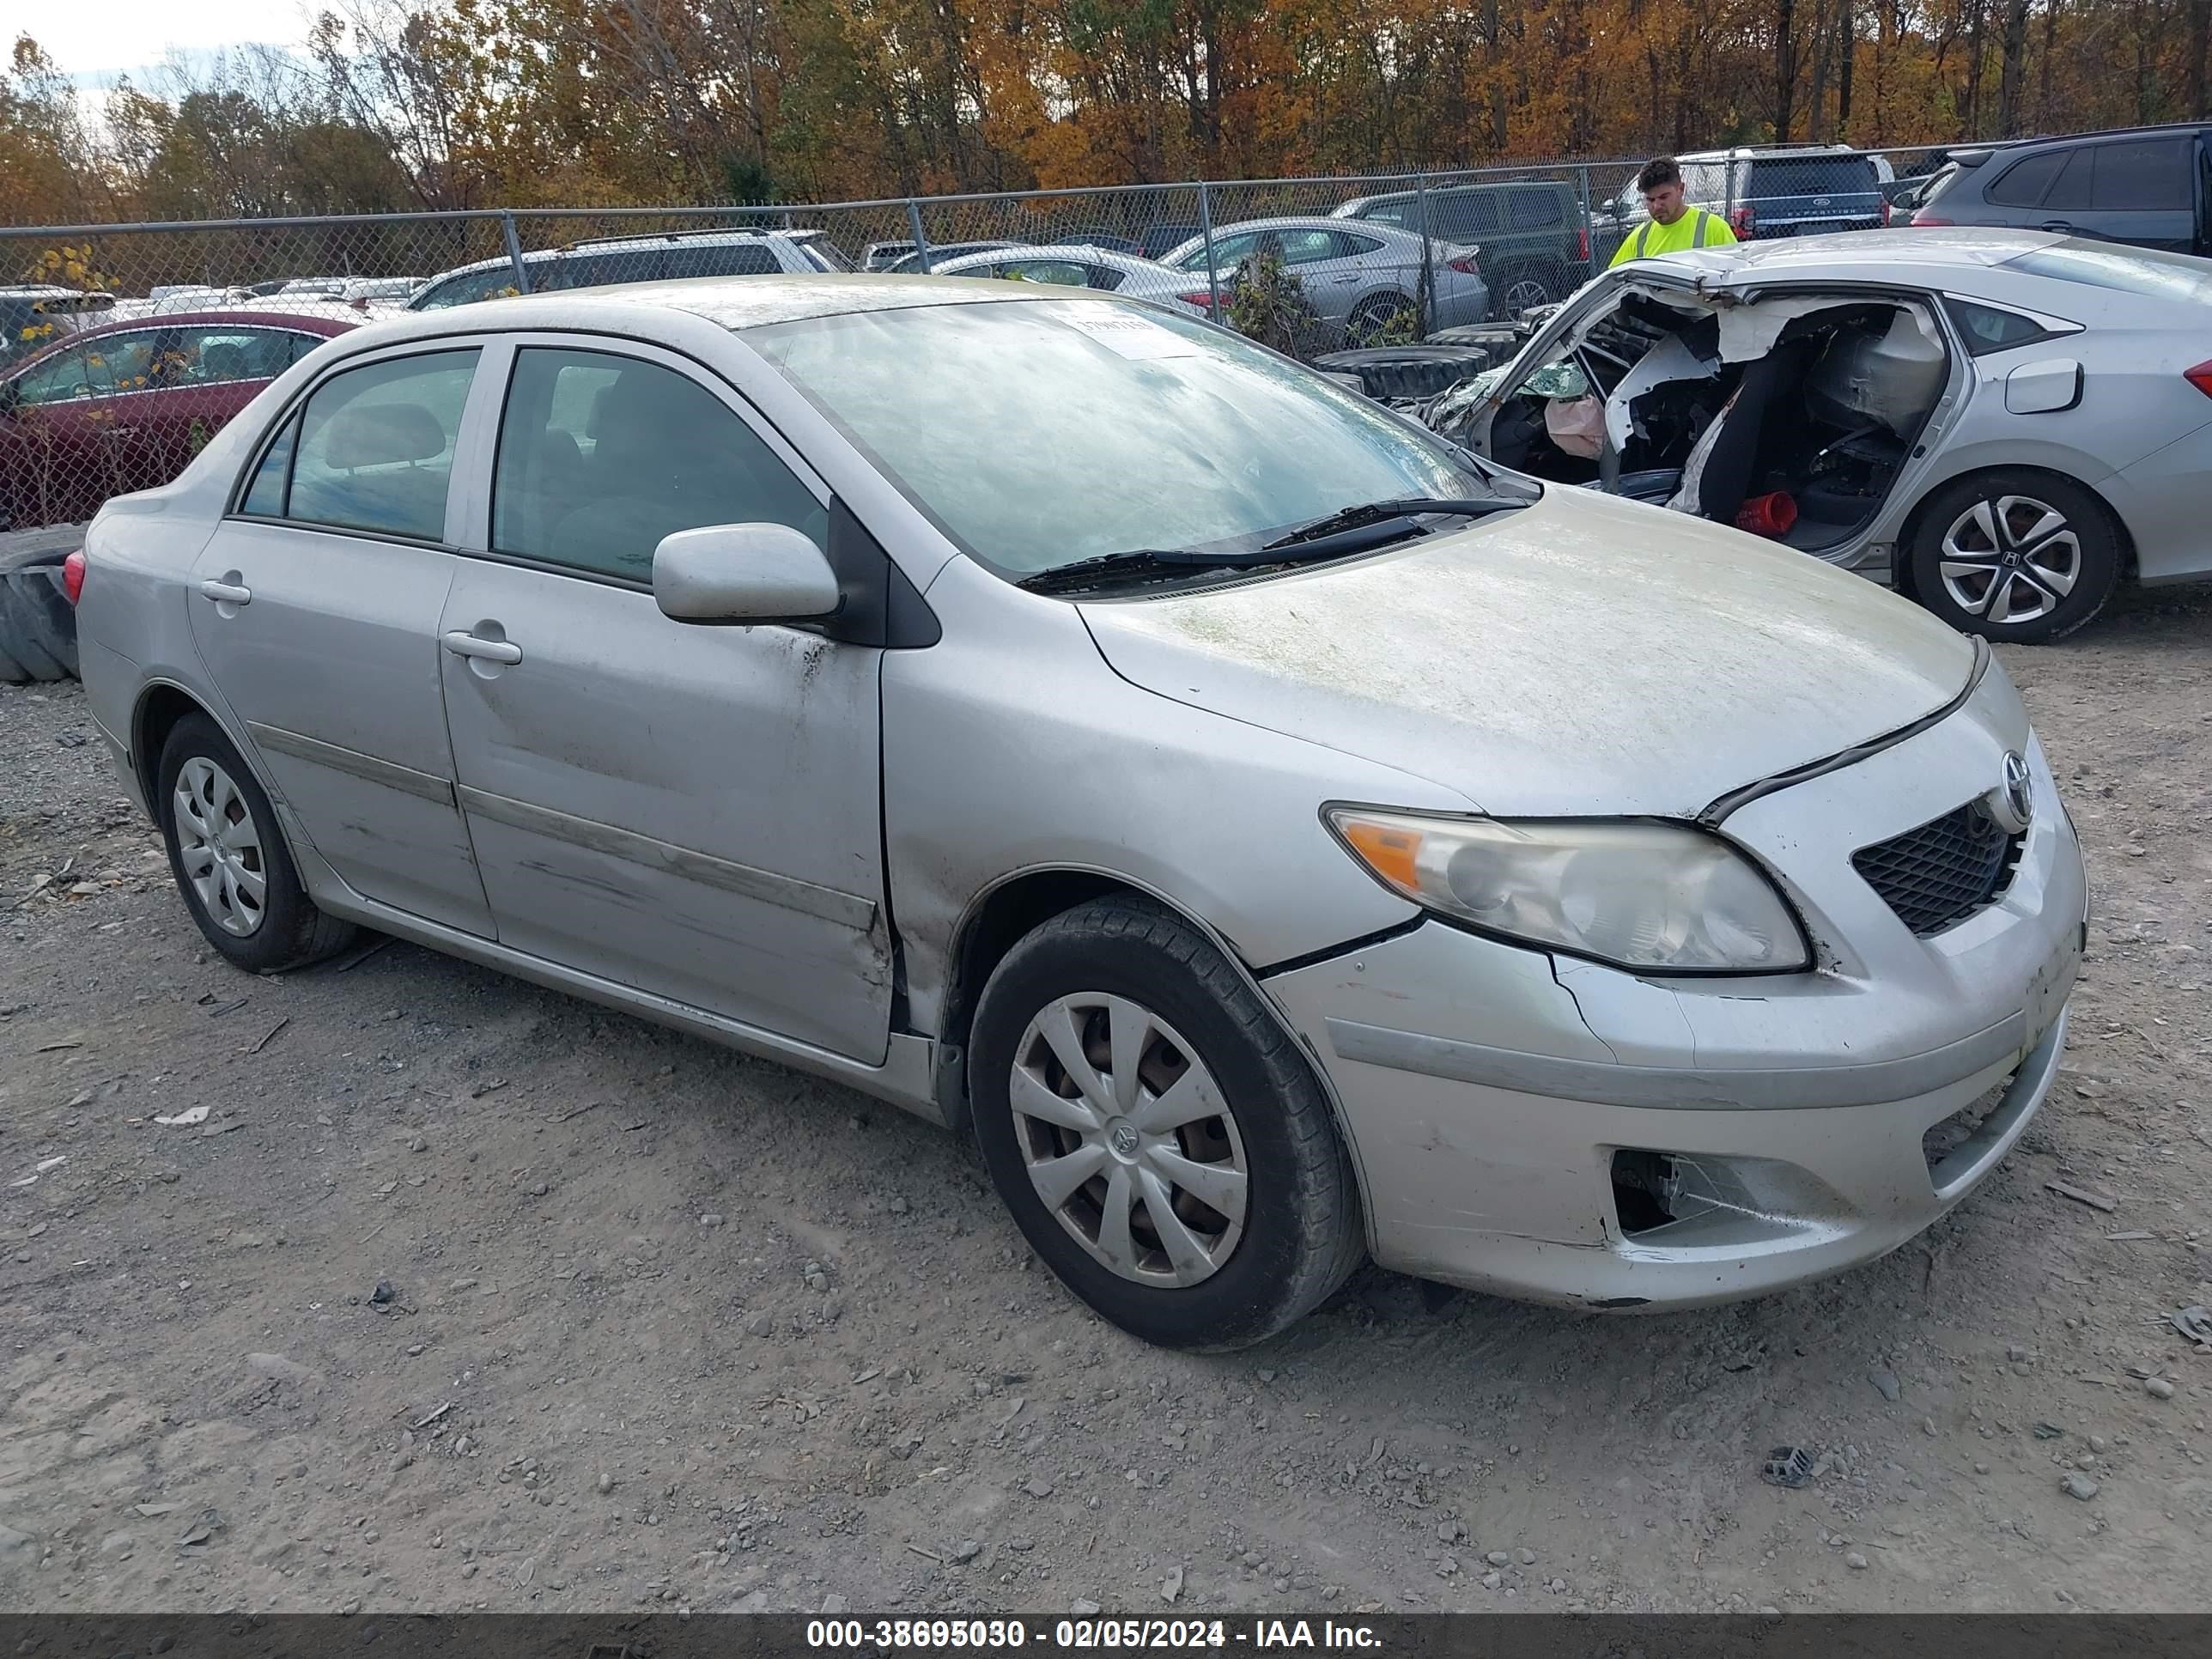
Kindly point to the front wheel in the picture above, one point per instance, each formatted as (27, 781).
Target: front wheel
(1162, 1142)
(2026, 558)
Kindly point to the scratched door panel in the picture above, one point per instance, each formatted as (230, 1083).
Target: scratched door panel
(691, 811)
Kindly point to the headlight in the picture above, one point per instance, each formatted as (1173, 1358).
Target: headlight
(1652, 897)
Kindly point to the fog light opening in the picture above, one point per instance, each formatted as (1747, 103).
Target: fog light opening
(1646, 1187)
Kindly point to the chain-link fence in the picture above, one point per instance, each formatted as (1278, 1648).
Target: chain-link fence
(124, 348)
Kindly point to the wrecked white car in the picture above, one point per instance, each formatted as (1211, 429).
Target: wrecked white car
(2004, 425)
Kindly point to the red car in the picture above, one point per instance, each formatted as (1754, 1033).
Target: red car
(125, 406)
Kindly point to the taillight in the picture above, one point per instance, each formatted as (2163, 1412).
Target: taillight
(1740, 221)
(73, 566)
(1202, 300)
(1924, 219)
(1582, 243)
(1885, 216)
(2200, 377)
(1464, 265)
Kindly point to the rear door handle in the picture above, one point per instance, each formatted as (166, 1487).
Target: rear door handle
(468, 645)
(227, 593)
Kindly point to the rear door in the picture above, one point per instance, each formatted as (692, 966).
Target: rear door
(690, 811)
(2141, 191)
(315, 607)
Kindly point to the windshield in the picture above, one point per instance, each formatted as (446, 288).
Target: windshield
(1038, 432)
(2150, 272)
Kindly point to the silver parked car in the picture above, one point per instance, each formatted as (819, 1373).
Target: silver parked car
(1098, 269)
(2003, 424)
(1273, 835)
(1357, 276)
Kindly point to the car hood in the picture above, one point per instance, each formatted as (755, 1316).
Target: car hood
(1581, 655)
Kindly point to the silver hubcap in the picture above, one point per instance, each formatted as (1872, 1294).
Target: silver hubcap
(1128, 1140)
(2010, 560)
(220, 848)
(1523, 294)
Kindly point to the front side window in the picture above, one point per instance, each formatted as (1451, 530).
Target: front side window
(59, 379)
(496, 282)
(1122, 429)
(220, 356)
(601, 456)
(375, 447)
(1065, 273)
(1535, 209)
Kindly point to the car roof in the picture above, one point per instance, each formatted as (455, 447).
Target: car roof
(1078, 251)
(730, 302)
(1858, 253)
(1772, 152)
(630, 244)
(2007, 146)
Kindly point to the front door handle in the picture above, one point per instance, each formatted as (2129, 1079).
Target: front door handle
(228, 591)
(469, 645)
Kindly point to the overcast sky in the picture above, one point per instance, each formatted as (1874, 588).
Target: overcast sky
(95, 42)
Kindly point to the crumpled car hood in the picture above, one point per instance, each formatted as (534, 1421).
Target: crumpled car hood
(1582, 655)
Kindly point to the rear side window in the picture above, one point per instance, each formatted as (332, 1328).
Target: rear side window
(1393, 212)
(1535, 209)
(220, 356)
(2023, 183)
(601, 456)
(1473, 214)
(1302, 247)
(2142, 175)
(721, 259)
(2074, 188)
(375, 446)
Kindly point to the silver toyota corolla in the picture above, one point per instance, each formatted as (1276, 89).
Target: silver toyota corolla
(1275, 836)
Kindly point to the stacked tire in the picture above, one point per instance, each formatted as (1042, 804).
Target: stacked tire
(37, 628)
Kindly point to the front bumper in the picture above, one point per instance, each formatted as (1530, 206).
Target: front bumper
(1489, 1089)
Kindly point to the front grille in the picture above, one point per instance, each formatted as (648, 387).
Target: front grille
(1944, 871)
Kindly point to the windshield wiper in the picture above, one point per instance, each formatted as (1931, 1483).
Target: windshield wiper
(1160, 562)
(1367, 515)
(1351, 531)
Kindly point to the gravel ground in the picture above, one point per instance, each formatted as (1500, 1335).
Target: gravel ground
(466, 1295)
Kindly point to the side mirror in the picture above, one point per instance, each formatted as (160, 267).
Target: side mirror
(743, 573)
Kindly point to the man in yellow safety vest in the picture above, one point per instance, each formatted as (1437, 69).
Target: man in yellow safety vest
(1674, 225)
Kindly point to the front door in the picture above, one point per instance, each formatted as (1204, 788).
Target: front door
(315, 607)
(691, 811)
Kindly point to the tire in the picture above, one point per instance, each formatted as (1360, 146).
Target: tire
(281, 928)
(2027, 554)
(38, 627)
(1372, 315)
(1408, 371)
(1285, 1238)
(1519, 288)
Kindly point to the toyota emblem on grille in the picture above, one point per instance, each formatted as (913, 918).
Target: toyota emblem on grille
(2012, 803)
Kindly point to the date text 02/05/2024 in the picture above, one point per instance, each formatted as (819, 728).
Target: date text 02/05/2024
(1086, 1634)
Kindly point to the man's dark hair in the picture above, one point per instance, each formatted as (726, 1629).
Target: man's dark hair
(1660, 170)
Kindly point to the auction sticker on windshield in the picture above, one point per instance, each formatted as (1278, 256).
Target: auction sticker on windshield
(1133, 334)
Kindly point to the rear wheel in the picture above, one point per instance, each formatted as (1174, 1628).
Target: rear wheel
(1161, 1142)
(2013, 556)
(1374, 319)
(229, 858)
(1518, 288)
